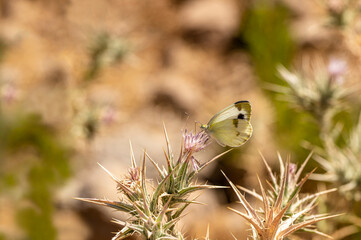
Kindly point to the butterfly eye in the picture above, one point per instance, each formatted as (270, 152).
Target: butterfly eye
(240, 116)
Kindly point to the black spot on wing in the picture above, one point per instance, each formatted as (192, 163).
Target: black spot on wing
(238, 133)
(241, 116)
(235, 122)
(239, 104)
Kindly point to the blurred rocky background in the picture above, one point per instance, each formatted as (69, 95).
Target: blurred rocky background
(80, 78)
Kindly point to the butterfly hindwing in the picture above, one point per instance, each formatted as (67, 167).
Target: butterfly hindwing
(231, 132)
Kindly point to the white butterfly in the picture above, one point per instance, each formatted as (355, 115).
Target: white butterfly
(231, 126)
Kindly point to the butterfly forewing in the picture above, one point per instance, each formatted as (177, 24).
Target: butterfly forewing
(233, 111)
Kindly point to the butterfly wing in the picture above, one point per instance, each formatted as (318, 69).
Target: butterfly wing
(232, 112)
(231, 132)
(232, 126)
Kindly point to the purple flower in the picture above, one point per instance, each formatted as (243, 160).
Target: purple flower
(292, 170)
(134, 174)
(195, 164)
(108, 115)
(195, 142)
(337, 68)
(9, 92)
(132, 180)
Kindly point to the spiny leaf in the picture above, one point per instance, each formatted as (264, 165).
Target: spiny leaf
(249, 219)
(170, 153)
(113, 204)
(181, 174)
(158, 191)
(160, 172)
(269, 170)
(144, 188)
(213, 159)
(194, 188)
(132, 158)
(298, 226)
(163, 212)
(300, 170)
(265, 200)
(244, 202)
(252, 193)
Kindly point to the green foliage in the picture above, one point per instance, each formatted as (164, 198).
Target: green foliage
(104, 50)
(2, 48)
(44, 165)
(37, 224)
(266, 33)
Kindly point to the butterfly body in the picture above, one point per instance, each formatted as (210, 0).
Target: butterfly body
(231, 126)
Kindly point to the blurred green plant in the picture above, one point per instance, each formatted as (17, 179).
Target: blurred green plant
(88, 115)
(104, 50)
(318, 91)
(34, 163)
(341, 12)
(322, 92)
(265, 30)
(2, 48)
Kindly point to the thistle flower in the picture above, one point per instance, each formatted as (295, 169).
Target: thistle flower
(132, 180)
(337, 69)
(195, 142)
(284, 211)
(155, 210)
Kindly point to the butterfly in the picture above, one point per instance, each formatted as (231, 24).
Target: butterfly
(231, 126)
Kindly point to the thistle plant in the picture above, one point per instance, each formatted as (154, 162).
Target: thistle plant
(316, 90)
(284, 210)
(323, 95)
(342, 164)
(89, 116)
(339, 150)
(154, 210)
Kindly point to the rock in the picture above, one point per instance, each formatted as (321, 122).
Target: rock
(209, 22)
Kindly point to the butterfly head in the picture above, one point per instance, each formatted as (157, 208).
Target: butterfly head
(205, 127)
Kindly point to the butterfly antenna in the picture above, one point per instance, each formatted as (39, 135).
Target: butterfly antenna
(195, 124)
(185, 125)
